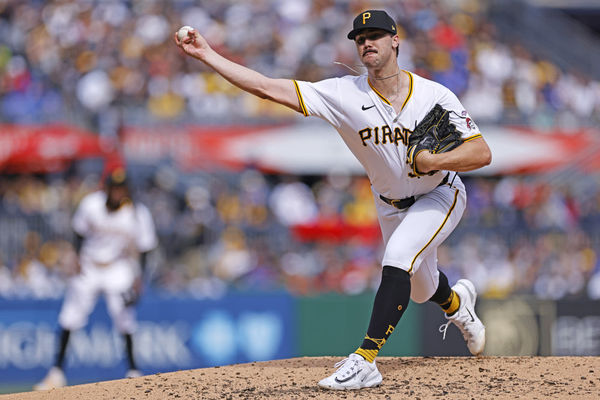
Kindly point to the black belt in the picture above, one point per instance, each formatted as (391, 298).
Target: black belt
(409, 201)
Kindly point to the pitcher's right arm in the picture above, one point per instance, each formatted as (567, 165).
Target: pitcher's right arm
(282, 91)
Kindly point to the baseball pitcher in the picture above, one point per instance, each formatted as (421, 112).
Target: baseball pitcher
(412, 137)
(114, 234)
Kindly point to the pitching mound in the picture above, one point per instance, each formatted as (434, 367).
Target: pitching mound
(403, 378)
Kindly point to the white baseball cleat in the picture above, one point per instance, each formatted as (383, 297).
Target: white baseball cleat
(133, 373)
(465, 318)
(54, 379)
(352, 373)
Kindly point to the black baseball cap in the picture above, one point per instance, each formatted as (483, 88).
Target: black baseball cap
(374, 19)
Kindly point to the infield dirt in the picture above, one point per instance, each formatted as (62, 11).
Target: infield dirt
(403, 378)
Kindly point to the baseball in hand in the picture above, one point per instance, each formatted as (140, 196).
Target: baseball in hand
(182, 33)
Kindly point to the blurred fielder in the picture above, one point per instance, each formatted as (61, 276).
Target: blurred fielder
(113, 237)
(412, 167)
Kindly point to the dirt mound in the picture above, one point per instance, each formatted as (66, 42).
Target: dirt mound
(403, 378)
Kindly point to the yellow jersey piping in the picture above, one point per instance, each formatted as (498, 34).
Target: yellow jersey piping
(436, 232)
(300, 100)
(382, 97)
(386, 101)
(410, 89)
(473, 137)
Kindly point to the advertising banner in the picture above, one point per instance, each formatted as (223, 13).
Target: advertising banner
(46, 148)
(576, 330)
(185, 333)
(173, 334)
(334, 325)
(517, 326)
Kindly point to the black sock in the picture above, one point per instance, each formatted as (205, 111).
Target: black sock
(390, 302)
(129, 350)
(62, 349)
(445, 296)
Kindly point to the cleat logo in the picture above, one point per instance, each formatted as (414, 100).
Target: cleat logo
(348, 378)
(471, 315)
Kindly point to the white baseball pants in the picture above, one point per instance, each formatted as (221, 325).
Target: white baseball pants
(412, 236)
(112, 280)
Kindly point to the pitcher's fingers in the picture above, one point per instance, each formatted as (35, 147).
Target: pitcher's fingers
(191, 36)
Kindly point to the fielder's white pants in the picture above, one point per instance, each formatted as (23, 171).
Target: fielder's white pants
(112, 280)
(412, 236)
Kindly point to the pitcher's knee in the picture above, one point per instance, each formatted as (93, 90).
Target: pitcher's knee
(420, 297)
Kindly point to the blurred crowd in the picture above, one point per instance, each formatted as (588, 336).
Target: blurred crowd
(251, 231)
(96, 62)
(104, 64)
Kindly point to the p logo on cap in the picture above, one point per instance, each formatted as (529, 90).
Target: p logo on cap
(374, 19)
(366, 16)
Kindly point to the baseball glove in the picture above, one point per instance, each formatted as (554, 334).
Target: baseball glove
(435, 134)
(130, 297)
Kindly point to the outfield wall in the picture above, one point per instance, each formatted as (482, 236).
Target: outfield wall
(185, 333)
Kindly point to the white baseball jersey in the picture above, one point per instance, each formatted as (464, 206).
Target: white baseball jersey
(378, 137)
(109, 236)
(375, 134)
(109, 261)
